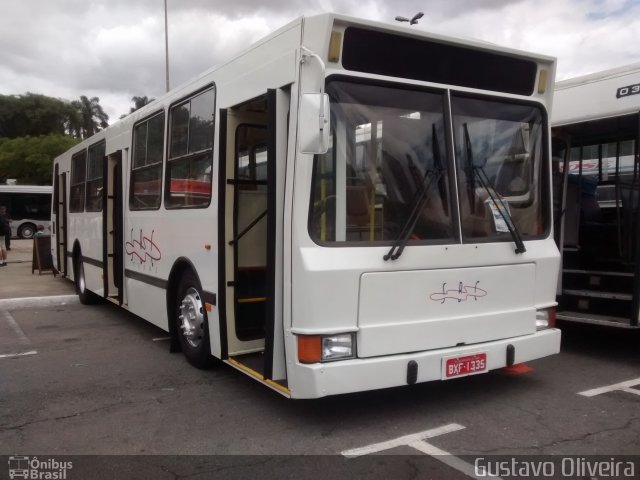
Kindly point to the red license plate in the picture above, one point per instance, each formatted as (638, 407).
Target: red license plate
(467, 365)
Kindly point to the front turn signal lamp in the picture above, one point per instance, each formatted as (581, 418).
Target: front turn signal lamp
(326, 348)
(546, 318)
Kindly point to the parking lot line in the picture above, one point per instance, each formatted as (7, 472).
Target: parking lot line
(23, 354)
(15, 327)
(38, 302)
(418, 442)
(402, 441)
(160, 339)
(450, 460)
(623, 386)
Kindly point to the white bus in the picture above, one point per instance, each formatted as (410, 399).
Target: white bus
(28, 206)
(596, 128)
(345, 206)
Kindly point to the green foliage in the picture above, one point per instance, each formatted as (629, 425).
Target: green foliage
(33, 114)
(30, 159)
(34, 129)
(90, 117)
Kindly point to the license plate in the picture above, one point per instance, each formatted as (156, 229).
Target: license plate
(467, 365)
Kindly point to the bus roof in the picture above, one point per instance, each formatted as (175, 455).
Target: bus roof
(316, 34)
(605, 94)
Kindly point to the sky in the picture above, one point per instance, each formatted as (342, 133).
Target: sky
(114, 49)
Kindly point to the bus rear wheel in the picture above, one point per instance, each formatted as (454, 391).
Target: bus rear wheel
(27, 230)
(191, 322)
(86, 296)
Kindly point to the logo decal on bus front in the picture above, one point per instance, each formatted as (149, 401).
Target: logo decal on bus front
(460, 294)
(143, 249)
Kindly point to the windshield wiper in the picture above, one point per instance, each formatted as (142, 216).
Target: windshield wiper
(419, 200)
(486, 184)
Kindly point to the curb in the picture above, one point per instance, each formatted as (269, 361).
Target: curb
(30, 302)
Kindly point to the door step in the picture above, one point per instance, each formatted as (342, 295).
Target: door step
(252, 300)
(593, 294)
(598, 272)
(593, 319)
(252, 365)
(114, 300)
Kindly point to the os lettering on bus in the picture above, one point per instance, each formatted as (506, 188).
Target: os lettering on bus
(627, 91)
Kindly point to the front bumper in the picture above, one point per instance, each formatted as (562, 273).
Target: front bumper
(322, 379)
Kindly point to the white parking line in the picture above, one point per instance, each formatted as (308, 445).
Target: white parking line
(622, 386)
(16, 328)
(418, 442)
(13, 355)
(160, 339)
(34, 302)
(401, 441)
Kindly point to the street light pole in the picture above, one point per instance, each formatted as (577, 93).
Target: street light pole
(166, 45)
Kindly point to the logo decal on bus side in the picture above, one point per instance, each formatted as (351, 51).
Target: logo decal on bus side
(143, 249)
(460, 294)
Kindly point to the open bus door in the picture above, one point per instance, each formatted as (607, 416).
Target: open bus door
(599, 228)
(60, 227)
(252, 168)
(112, 226)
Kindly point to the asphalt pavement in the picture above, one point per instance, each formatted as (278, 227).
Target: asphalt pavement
(17, 280)
(97, 380)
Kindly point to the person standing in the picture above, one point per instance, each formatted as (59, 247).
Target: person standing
(5, 230)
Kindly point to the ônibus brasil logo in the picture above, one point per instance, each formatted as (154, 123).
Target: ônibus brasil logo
(36, 469)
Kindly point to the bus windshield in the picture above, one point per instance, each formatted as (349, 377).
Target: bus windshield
(385, 143)
(388, 155)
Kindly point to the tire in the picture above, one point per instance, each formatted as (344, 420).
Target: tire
(86, 296)
(192, 327)
(26, 231)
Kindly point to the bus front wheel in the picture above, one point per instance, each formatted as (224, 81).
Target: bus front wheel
(191, 322)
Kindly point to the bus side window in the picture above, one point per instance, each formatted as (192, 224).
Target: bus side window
(146, 168)
(190, 162)
(78, 178)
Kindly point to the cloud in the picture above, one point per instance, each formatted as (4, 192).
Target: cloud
(114, 49)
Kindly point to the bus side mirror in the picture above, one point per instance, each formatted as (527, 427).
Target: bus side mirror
(314, 126)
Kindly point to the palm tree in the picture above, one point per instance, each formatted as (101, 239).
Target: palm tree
(138, 103)
(91, 116)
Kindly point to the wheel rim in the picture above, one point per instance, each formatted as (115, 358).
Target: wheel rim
(26, 232)
(192, 317)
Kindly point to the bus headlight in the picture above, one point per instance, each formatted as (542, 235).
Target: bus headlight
(545, 318)
(337, 347)
(326, 348)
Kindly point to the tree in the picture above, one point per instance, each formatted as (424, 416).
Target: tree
(90, 117)
(33, 114)
(30, 159)
(138, 103)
